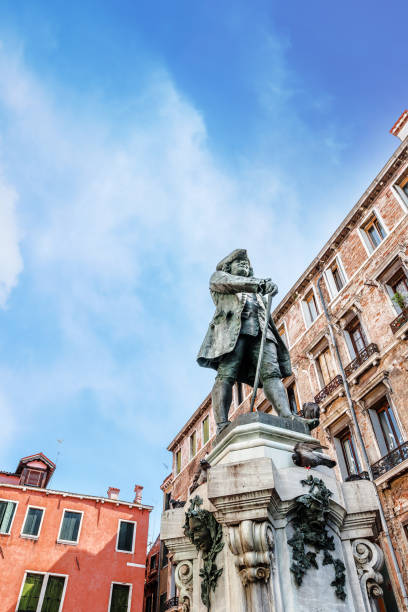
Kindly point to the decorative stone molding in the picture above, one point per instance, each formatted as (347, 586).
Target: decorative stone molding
(369, 559)
(251, 543)
(184, 581)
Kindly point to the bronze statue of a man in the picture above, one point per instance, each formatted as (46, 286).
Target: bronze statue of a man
(231, 345)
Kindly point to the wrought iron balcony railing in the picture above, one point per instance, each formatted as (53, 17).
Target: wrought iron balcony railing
(394, 458)
(328, 389)
(171, 603)
(399, 321)
(359, 476)
(361, 358)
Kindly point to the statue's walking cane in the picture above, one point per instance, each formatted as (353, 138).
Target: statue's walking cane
(261, 351)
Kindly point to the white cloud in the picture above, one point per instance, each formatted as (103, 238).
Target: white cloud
(11, 262)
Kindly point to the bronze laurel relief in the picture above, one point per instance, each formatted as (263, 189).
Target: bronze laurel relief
(206, 534)
(310, 523)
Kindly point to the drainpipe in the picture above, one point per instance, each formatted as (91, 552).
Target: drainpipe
(362, 446)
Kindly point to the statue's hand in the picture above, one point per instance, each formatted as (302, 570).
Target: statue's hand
(269, 287)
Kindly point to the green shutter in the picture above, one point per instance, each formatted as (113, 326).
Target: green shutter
(7, 510)
(120, 598)
(53, 594)
(31, 593)
(70, 526)
(125, 541)
(33, 521)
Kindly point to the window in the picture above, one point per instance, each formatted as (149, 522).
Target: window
(373, 233)
(120, 597)
(32, 523)
(150, 604)
(126, 536)
(309, 306)
(42, 593)
(165, 555)
(404, 185)
(193, 444)
(32, 478)
(7, 512)
(335, 277)
(325, 368)
(70, 527)
(153, 562)
(397, 287)
(178, 462)
(355, 337)
(292, 397)
(206, 430)
(349, 453)
(385, 426)
(282, 333)
(163, 601)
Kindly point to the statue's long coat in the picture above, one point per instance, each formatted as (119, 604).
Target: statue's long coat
(222, 334)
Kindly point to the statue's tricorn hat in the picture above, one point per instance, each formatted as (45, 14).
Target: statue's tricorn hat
(237, 254)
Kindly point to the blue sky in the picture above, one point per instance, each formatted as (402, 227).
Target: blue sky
(140, 143)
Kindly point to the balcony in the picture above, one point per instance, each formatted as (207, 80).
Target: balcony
(361, 358)
(399, 321)
(171, 603)
(394, 458)
(328, 389)
(359, 476)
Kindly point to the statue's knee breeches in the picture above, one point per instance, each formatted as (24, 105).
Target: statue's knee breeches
(270, 365)
(229, 365)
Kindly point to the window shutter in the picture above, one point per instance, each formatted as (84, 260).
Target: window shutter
(331, 284)
(31, 593)
(53, 594)
(126, 531)
(6, 516)
(306, 314)
(120, 598)
(70, 526)
(33, 521)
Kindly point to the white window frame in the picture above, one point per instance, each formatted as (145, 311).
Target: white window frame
(122, 584)
(202, 429)
(128, 552)
(3, 499)
(328, 277)
(72, 542)
(285, 328)
(43, 588)
(363, 235)
(32, 537)
(399, 193)
(305, 309)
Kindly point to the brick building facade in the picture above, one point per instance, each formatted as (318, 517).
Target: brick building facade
(363, 274)
(63, 551)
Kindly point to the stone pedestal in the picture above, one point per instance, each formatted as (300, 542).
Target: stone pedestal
(253, 491)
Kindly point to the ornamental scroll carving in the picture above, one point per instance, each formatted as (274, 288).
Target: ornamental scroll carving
(252, 545)
(184, 582)
(369, 559)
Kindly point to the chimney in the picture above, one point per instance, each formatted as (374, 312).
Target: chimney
(138, 494)
(400, 128)
(113, 493)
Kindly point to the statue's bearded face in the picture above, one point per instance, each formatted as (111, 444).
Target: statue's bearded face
(240, 267)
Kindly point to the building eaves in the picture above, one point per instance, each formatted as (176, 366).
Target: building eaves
(192, 420)
(380, 183)
(97, 498)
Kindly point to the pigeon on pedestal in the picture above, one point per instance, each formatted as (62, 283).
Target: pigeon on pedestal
(304, 455)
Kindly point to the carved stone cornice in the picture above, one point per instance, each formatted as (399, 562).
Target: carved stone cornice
(369, 559)
(252, 545)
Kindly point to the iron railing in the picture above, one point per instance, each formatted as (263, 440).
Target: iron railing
(328, 389)
(362, 356)
(171, 603)
(386, 463)
(399, 321)
(359, 476)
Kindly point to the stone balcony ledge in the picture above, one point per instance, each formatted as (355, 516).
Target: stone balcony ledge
(327, 391)
(399, 326)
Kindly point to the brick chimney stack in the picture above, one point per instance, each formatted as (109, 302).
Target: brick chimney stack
(400, 128)
(138, 494)
(113, 493)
